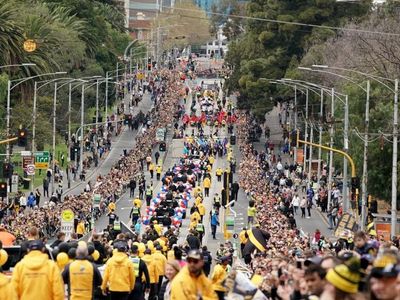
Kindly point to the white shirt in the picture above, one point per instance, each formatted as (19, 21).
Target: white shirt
(22, 201)
(296, 201)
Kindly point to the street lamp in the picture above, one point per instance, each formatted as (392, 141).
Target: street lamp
(346, 148)
(10, 87)
(394, 90)
(344, 99)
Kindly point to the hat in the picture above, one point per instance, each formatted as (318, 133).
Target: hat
(224, 258)
(346, 276)
(195, 254)
(120, 246)
(316, 260)
(36, 245)
(385, 266)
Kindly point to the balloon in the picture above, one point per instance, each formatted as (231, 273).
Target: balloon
(96, 255)
(62, 259)
(3, 257)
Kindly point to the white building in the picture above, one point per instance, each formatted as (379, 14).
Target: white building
(217, 47)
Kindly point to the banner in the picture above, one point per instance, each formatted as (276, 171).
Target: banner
(300, 156)
(346, 224)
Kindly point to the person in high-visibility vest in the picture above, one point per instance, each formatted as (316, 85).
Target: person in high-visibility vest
(158, 172)
(117, 226)
(200, 229)
(251, 213)
(142, 283)
(217, 201)
(219, 172)
(149, 195)
(134, 214)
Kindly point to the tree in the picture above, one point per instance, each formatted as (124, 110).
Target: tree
(269, 49)
(186, 24)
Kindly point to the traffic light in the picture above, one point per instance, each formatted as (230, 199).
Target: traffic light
(149, 64)
(3, 189)
(7, 170)
(355, 185)
(22, 137)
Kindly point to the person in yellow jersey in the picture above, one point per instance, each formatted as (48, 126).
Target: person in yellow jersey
(218, 276)
(160, 261)
(243, 237)
(191, 283)
(251, 212)
(119, 274)
(206, 186)
(6, 288)
(81, 276)
(219, 173)
(137, 202)
(198, 200)
(151, 170)
(211, 160)
(111, 206)
(36, 276)
(196, 191)
(80, 229)
(158, 172)
(195, 216)
(153, 273)
(201, 209)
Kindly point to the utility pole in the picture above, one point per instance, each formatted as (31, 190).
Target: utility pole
(394, 161)
(295, 122)
(345, 162)
(364, 183)
(321, 117)
(310, 156)
(305, 134)
(331, 152)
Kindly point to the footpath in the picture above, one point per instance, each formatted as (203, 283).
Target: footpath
(125, 140)
(317, 220)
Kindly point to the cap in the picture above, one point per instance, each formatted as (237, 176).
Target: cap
(36, 245)
(120, 246)
(316, 260)
(195, 254)
(224, 258)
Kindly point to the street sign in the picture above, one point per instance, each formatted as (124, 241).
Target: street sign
(14, 184)
(27, 160)
(96, 200)
(67, 223)
(160, 134)
(42, 160)
(30, 170)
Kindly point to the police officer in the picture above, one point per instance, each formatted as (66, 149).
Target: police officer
(200, 229)
(134, 214)
(140, 269)
(81, 276)
(117, 226)
(217, 201)
(149, 195)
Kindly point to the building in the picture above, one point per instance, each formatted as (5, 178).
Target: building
(217, 47)
(140, 14)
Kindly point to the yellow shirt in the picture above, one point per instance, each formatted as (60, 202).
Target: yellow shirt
(206, 182)
(80, 229)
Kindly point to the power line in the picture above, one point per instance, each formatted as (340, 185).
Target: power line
(361, 31)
